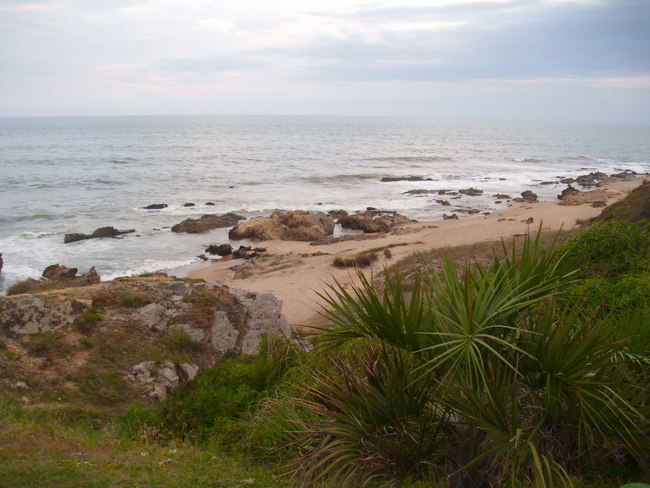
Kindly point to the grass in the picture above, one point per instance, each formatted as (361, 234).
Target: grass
(43, 448)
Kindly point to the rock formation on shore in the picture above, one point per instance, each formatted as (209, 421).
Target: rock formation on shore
(207, 222)
(131, 336)
(287, 226)
(373, 221)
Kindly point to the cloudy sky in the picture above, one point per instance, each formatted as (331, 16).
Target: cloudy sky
(556, 60)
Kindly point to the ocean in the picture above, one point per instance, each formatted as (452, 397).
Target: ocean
(76, 174)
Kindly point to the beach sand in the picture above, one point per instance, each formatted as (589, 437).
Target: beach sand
(296, 272)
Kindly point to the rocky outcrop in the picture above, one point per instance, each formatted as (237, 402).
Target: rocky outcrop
(287, 226)
(155, 206)
(207, 222)
(472, 192)
(527, 196)
(219, 249)
(373, 221)
(591, 179)
(98, 233)
(1, 262)
(567, 193)
(146, 334)
(56, 276)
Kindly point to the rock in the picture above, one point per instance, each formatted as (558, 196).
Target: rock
(219, 249)
(450, 217)
(204, 322)
(591, 179)
(502, 196)
(567, 193)
(189, 204)
(337, 214)
(210, 204)
(374, 221)
(288, 226)
(207, 222)
(443, 202)
(56, 276)
(567, 181)
(628, 174)
(155, 206)
(388, 179)
(1, 262)
(529, 220)
(527, 196)
(472, 192)
(599, 204)
(420, 191)
(97, 233)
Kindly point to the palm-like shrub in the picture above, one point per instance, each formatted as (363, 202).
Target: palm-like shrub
(483, 376)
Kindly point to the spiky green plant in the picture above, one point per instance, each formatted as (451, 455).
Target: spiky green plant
(523, 387)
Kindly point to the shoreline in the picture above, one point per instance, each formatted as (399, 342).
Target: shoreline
(296, 271)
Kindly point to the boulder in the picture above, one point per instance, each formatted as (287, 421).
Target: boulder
(56, 276)
(472, 192)
(450, 217)
(567, 193)
(219, 249)
(502, 196)
(189, 204)
(373, 221)
(591, 179)
(288, 226)
(527, 196)
(1, 262)
(155, 206)
(207, 222)
(97, 233)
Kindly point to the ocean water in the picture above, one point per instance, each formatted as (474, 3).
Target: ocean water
(75, 174)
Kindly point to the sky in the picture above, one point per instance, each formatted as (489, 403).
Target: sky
(539, 60)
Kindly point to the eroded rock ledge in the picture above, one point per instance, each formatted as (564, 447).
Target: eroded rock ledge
(138, 336)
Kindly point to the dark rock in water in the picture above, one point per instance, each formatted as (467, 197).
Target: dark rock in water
(443, 202)
(219, 249)
(420, 191)
(567, 181)
(373, 221)
(210, 203)
(1, 263)
(73, 237)
(567, 193)
(547, 183)
(502, 196)
(202, 257)
(105, 232)
(389, 179)
(98, 233)
(472, 192)
(287, 226)
(189, 204)
(450, 217)
(155, 206)
(527, 196)
(207, 222)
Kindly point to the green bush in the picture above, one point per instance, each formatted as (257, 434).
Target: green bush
(134, 419)
(608, 249)
(208, 406)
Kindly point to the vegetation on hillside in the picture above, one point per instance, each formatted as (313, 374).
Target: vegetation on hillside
(526, 368)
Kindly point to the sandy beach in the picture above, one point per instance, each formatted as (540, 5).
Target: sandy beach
(296, 272)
